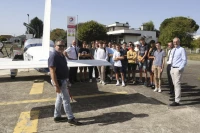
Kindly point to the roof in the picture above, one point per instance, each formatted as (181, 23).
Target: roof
(128, 32)
(118, 24)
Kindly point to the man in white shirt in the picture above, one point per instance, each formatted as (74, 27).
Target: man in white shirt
(169, 60)
(178, 63)
(101, 54)
(117, 57)
(72, 54)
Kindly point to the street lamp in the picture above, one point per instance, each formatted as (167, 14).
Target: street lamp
(28, 22)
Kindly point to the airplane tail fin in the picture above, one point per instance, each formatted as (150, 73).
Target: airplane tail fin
(46, 28)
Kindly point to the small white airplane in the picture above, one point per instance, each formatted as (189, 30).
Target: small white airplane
(36, 52)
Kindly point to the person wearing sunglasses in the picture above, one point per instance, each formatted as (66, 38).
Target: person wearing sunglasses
(59, 74)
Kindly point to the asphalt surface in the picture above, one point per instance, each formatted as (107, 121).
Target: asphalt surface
(102, 109)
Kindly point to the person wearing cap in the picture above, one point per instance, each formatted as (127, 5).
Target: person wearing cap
(59, 73)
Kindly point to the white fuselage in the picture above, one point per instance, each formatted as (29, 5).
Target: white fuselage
(34, 51)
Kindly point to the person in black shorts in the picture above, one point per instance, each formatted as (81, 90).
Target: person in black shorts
(83, 54)
(150, 62)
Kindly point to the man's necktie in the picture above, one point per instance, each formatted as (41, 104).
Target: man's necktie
(173, 57)
(169, 54)
(76, 52)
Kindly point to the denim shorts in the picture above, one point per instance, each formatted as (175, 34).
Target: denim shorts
(143, 65)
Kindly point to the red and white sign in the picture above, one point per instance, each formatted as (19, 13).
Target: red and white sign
(71, 29)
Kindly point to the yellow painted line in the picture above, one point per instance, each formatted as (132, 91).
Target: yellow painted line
(37, 88)
(53, 99)
(27, 122)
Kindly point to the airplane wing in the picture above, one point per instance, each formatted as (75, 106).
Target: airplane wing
(44, 64)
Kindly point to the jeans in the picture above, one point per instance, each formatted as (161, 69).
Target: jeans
(63, 98)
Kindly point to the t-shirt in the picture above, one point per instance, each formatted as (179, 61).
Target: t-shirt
(159, 57)
(84, 51)
(58, 61)
(142, 50)
(152, 52)
(101, 54)
(125, 60)
(111, 51)
(117, 63)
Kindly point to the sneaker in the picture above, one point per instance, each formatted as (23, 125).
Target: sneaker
(74, 122)
(60, 119)
(153, 86)
(155, 90)
(159, 90)
(103, 83)
(90, 81)
(100, 82)
(123, 85)
(117, 84)
(174, 104)
(134, 81)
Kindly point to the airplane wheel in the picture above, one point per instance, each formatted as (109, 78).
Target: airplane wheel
(12, 77)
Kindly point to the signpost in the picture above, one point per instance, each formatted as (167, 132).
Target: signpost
(71, 29)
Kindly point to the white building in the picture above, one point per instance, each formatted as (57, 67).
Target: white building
(120, 32)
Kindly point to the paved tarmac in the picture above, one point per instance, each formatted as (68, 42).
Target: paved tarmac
(102, 109)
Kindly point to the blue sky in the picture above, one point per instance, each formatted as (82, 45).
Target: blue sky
(14, 12)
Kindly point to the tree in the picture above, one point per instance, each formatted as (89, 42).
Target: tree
(91, 31)
(58, 34)
(196, 43)
(180, 27)
(149, 26)
(2, 39)
(36, 24)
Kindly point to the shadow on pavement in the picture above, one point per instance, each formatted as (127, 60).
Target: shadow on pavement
(5, 79)
(92, 104)
(111, 118)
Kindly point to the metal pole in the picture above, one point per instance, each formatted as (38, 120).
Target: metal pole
(77, 31)
(28, 22)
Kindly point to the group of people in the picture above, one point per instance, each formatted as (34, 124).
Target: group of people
(147, 57)
(124, 59)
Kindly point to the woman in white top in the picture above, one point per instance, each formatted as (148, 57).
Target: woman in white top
(101, 54)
